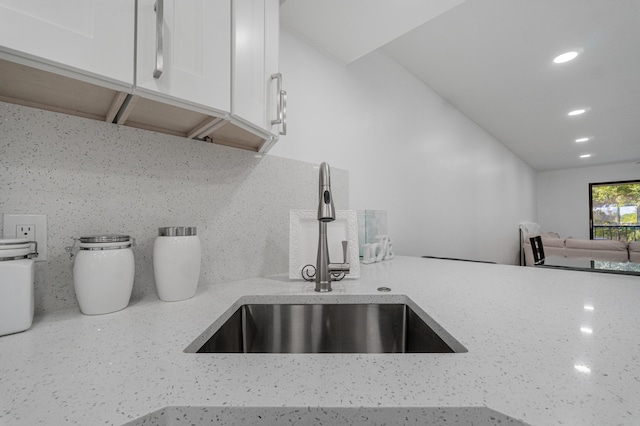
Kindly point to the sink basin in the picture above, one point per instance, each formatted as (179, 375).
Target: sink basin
(329, 328)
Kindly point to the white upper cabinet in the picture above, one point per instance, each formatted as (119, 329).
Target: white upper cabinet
(257, 98)
(90, 38)
(184, 53)
(190, 68)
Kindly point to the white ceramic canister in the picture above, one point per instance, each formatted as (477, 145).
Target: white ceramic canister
(103, 272)
(16, 286)
(176, 263)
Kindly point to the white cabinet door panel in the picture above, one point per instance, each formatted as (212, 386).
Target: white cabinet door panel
(249, 94)
(254, 97)
(87, 35)
(196, 52)
(272, 65)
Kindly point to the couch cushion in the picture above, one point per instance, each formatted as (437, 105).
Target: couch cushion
(552, 241)
(596, 244)
(550, 235)
(634, 251)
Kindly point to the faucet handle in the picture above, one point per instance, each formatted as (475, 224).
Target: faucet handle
(344, 267)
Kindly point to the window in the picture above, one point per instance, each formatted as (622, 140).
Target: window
(614, 209)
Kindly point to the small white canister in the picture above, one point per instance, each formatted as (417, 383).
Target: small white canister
(176, 263)
(103, 272)
(16, 286)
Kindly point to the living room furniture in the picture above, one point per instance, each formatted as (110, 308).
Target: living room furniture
(537, 249)
(554, 245)
(634, 251)
(588, 265)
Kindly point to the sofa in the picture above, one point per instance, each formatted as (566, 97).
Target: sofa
(634, 251)
(554, 245)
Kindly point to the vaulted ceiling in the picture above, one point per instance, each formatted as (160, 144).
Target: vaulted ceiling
(493, 60)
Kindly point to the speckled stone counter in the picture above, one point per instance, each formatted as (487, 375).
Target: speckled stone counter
(545, 347)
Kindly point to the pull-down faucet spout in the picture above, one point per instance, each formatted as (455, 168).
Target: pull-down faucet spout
(327, 213)
(326, 210)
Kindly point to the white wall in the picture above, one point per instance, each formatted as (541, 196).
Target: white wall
(450, 188)
(563, 196)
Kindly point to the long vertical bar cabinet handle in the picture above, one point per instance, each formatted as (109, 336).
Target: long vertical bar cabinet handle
(283, 96)
(278, 78)
(159, 8)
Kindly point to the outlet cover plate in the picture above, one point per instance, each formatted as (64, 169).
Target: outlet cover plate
(11, 221)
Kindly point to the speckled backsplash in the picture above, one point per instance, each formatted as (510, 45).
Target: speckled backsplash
(90, 177)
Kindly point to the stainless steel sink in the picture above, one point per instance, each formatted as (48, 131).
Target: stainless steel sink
(328, 328)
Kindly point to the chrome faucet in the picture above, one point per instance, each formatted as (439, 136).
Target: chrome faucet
(327, 213)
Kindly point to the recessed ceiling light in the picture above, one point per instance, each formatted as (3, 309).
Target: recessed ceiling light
(565, 57)
(585, 156)
(577, 112)
(582, 140)
(582, 368)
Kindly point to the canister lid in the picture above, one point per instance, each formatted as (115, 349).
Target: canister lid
(177, 231)
(12, 243)
(113, 238)
(15, 249)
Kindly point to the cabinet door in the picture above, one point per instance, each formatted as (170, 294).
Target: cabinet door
(248, 94)
(255, 98)
(195, 51)
(272, 67)
(91, 36)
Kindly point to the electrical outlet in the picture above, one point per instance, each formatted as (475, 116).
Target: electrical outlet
(30, 226)
(26, 231)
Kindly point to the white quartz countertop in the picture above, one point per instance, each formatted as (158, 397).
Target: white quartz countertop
(545, 347)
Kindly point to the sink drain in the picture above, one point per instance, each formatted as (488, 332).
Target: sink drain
(384, 289)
